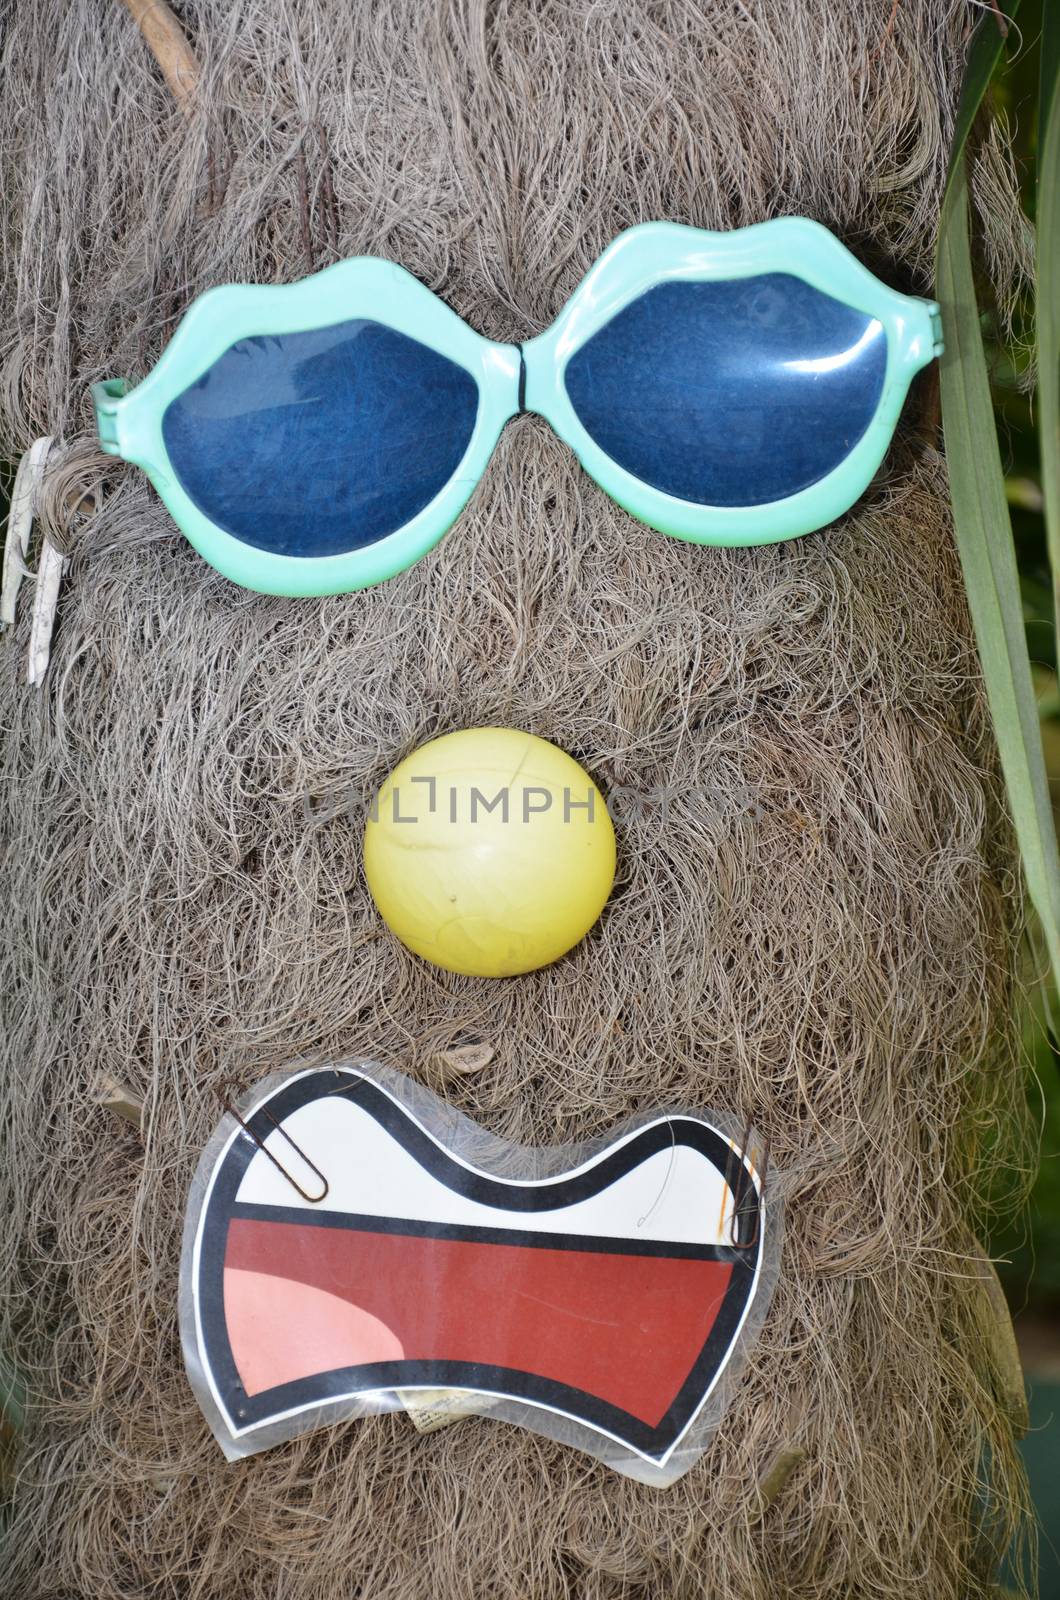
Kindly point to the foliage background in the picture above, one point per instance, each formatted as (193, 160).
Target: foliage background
(1028, 1246)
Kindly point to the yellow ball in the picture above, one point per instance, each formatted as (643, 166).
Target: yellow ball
(489, 852)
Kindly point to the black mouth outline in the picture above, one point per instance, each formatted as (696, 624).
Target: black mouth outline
(244, 1414)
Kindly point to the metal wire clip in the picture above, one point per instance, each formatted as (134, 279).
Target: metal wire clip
(740, 1183)
(313, 1199)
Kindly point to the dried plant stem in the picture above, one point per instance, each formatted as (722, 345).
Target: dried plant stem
(166, 42)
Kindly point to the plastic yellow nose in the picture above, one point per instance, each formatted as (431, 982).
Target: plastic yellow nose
(489, 852)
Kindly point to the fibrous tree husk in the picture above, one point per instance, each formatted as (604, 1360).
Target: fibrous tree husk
(816, 915)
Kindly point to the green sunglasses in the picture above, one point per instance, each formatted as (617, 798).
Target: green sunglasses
(725, 388)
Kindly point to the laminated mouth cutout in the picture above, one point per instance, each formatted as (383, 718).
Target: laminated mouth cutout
(602, 1302)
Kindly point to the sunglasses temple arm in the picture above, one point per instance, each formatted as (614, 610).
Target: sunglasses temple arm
(105, 398)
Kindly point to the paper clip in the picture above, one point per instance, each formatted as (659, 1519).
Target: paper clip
(313, 1199)
(741, 1184)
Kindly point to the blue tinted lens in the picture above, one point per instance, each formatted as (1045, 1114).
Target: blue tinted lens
(732, 393)
(311, 444)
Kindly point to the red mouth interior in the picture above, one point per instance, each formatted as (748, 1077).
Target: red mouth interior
(301, 1299)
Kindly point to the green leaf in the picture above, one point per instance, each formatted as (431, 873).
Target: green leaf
(983, 56)
(982, 526)
(1047, 308)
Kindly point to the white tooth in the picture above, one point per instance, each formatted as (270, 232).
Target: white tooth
(675, 1195)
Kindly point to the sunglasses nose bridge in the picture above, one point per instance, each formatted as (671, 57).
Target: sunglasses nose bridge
(540, 376)
(503, 374)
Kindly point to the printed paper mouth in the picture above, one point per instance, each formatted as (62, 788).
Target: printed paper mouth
(610, 1294)
(625, 1329)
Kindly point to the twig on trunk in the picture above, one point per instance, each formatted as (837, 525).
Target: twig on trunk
(166, 42)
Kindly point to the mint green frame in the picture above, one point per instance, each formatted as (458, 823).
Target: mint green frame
(660, 252)
(130, 422)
